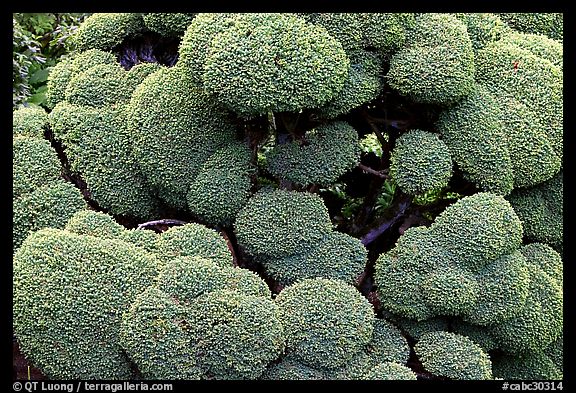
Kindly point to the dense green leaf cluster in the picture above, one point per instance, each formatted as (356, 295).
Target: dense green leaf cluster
(550, 24)
(420, 162)
(290, 234)
(29, 121)
(436, 64)
(326, 153)
(106, 30)
(168, 24)
(453, 356)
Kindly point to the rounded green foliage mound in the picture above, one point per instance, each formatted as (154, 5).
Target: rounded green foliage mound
(50, 205)
(504, 287)
(483, 28)
(511, 72)
(550, 24)
(106, 30)
(541, 209)
(416, 329)
(546, 258)
(93, 223)
(338, 256)
(326, 153)
(236, 335)
(146, 239)
(539, 45)
(98, 86)
(168, 24)
(390, 372)
(444, 269)
(479, 334)
(194, 240)
(174, 129)
(478, 229)
(386, 31)
(453, 356)
(69, 294)
(274, 62)
(531, 366)
(281, 223)
(475, 138)
(29, 121)
(292, 369)
(347, 28)
(388, 344)
(363, 84)
(151, 316)
(34, 164)
(197, 40)
(436, 65)
(539, 322)
(420, 162)
(326, 322)
(98, 146)
(69, 67)
(461, 285)
(222, 185)
(186, 278)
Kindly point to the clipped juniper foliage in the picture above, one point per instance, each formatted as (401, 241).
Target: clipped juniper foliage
(294, 196)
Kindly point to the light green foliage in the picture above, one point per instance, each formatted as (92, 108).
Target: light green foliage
(146, 239)
(539, 321)
(388, 344)
(29, 121)
(443, 269)
(155, 315)
(386, 32)
(98, 86)
(539, 45)
(194, 239)
(550, 24)
(337, 256)
(511, 72)
(222, 185)
(106, 30)
(496, 304)
(50, 205)
(478, 229)
(436, 64)
(389, 371)
(363, 84)
(326, 322)
(483, 28)
(420, 162)
(206, 332)
(274, 62)
(96, 142)
(34, 164)
(453, 356)
(93, 223)
(347, 28)
(370, 144)
(69, 67)
(541, 209)
(474, 135)
(328, 152)
(69, 293)
(186, 278)
(174, 128)
(197, 40)
(281, 223)
(476, 333)
(531, 366)
(236, 335)
(168, 24)
(546, 258)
